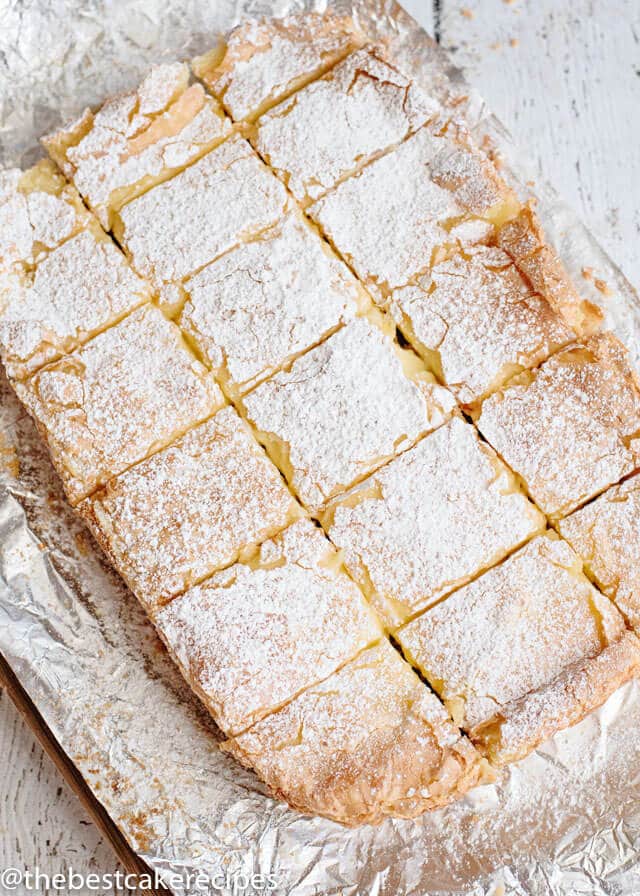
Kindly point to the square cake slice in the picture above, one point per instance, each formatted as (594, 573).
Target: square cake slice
(503, 649)
(262, 61)
(251, 637)
(38, 211)
(259, 306)
(396, 217)
(137, 139)
(369, 742)
(174, 518)
(335, 125)
(77, 290)
(477, 322)
(606, 534)
(176, 228)
(345, 408)
(127, 393)
(429, 521)
(569, 429)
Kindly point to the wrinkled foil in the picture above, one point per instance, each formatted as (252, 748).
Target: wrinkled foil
(565, 821)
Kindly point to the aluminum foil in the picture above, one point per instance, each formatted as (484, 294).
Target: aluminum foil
(564, 821)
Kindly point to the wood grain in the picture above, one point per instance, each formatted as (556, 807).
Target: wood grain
(565, 78)
(42, 822)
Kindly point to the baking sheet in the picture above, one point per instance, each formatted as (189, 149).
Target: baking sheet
(564, 821)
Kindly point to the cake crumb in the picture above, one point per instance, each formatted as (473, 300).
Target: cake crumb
(603, 287)
(466, 12)
(587, 273)
(514, 42)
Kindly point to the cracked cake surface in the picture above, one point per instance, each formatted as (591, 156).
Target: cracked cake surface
(188, 510)
(477, 322)
(319, 384)
(570, 428)
(138, 138)
(606, 534)
(77, 290)
(176, 228)
(262, 61)
(344, 408)
(392, 219)
(128, 392)
(259, 306)
(429, 521)
(39, 210)
(322, 133)
(511, 633)
(256, 634)
(368, 742)
(524, 240)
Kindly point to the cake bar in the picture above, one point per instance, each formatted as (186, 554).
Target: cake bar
(429, 521)
(369, 742)
(176, 228)
(261, 62)
(188, 510)
(344, 408)
(262, 304)
(531, 627)
(606, 534)
(477, 322)
(130, 391)
(522, 237)
(333, 126)
(77, 290)
(137, 139)
(569, 429)
(38, 211)
(393, 219)
(255, 635)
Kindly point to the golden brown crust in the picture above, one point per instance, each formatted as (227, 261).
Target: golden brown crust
(524, 240)
(371, 741)
(578, 691)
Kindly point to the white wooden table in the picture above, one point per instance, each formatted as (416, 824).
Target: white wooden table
(565, 78)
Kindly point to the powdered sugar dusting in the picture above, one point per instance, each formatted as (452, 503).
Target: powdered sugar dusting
(76, 290)
(570, 429)
(258, 306)
(465, 169)
(253, 636)
(344, 408)
(523, 238)
(128, 392)
(480, 319)
(512, 631)
(263, 59)
(34, 220)
(361, 107)
(138, 138)
(181, 225)
(387, 221)
(430, 520)
(188, 510)
(576, 692)
(606, 534)
(370, 741)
